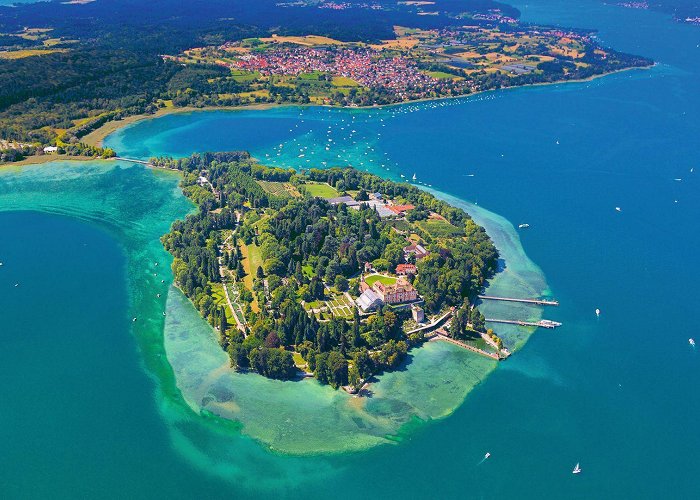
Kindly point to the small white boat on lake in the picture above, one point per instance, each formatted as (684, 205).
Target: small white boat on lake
(523, 226)
(597, 312)
(691, 342)
(577, 469)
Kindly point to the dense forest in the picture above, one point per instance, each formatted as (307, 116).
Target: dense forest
(308, 248)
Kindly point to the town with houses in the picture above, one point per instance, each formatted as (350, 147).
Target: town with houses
(417, 64)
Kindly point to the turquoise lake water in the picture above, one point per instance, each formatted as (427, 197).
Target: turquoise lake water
(618, 394)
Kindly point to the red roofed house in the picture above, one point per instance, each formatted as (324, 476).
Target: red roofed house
(400, 209)
(405, 269)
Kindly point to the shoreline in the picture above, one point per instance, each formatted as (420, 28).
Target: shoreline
(40, 159)
(97, 136)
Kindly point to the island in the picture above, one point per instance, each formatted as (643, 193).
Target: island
(331, 273)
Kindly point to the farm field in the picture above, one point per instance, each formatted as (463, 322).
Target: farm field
(281, 189)
(438, 228)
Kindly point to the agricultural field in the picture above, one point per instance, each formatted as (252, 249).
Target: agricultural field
(281, 189)
(342, 81)
(438, 228)
(244, 76)
(20, 54)
(401, 225)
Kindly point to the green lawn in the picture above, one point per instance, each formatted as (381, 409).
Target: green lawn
(387, 280)
(251, 260)
(315, 76)
(298, 360)
(321, 190)
(441, 75)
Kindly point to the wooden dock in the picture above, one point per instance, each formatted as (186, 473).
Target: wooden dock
(543, 323)
(537, 302)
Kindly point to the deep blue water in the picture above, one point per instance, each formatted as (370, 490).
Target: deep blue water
(77, 413)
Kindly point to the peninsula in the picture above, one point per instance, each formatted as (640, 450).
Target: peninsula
(105, 69)
(333, 273)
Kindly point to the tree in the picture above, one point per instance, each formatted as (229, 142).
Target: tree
(341, 283)
(355, 337)
(260, 273)
(364, 364)
(223, 322)
(337, 369)
(272, 340)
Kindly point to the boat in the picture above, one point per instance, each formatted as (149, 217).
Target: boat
(691, 342)
(523, 226)
(597, 312)
(487, 455)
(577, 470)
(618, 209)
(414, 177)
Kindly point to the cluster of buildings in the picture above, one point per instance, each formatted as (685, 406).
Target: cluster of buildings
(496, 16)
(385, 208)
(367, 67)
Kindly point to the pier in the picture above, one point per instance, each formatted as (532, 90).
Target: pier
(442, 335)
(537, 302)
(543, 323)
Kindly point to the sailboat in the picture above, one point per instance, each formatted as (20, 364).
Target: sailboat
(597, 312)
(414, 177)
(577, 470)
(691, 342)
